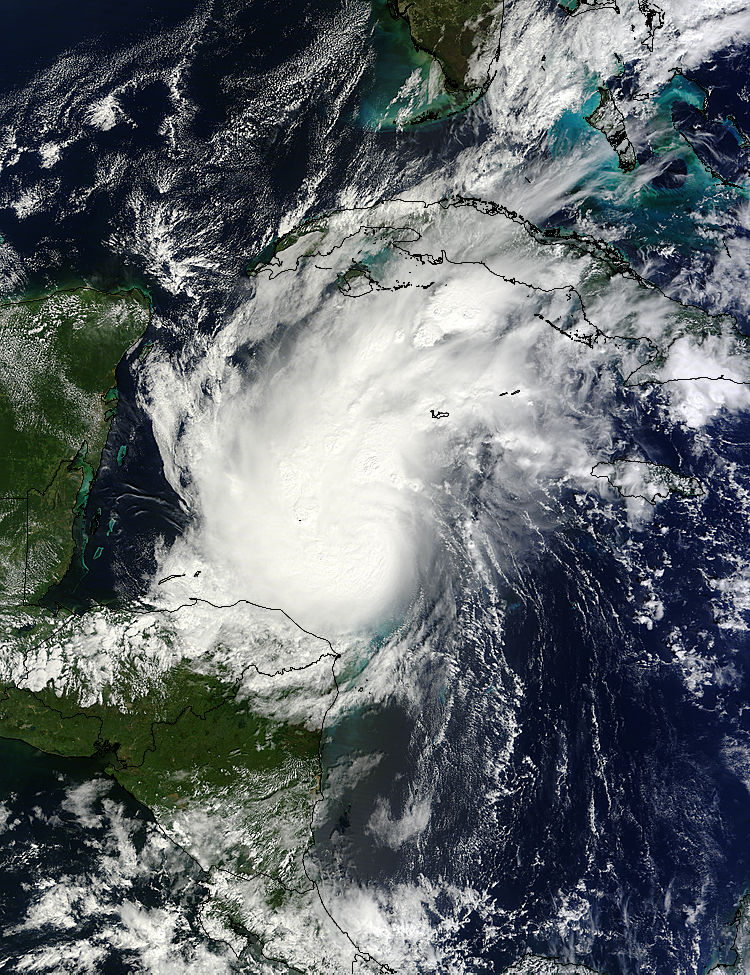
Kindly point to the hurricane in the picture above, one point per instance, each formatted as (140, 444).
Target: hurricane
(375, 593)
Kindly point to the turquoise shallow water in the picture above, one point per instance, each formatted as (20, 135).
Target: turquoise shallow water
(660, 750)
(672, 209)
(402, 84)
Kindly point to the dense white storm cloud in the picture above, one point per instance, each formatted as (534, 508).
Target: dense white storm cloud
(340, 444)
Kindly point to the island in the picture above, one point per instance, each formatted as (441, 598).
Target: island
(609, 120)
(633, 478)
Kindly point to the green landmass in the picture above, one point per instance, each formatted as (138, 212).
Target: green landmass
(279, 244)
(228, 772)
(57, 397)
(643, 479)
(188, 741)
(355, 273)
(457, 33)
(580, 6)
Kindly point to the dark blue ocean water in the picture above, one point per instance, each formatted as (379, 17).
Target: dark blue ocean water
(225, 210)
(676, 225)
(35, 39)
(642, 813)
(619, 804)
(70, 831)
